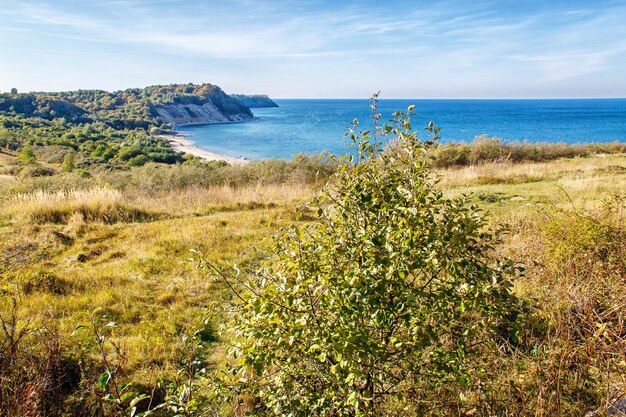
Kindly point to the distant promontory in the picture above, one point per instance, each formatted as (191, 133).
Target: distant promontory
(177, 104)
(255, 101)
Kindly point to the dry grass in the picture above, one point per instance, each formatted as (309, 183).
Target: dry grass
(487, 150)
(72, 245)
(139, 274)
(516, 191)
(107, 205)
(197, 200)
(568, 357)
(510, 173)
(92, 196)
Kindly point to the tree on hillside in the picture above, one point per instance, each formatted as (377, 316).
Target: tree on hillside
(379, 301)
(69, 161)
(27, 156)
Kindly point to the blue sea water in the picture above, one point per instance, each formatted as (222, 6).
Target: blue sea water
(312, 126)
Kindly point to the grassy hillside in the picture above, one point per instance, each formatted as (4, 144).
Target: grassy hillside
(114, 247)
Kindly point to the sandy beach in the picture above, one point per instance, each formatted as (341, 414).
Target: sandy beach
(180, 143)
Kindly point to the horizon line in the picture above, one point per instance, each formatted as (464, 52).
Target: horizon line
(341, 98)
(448, 98)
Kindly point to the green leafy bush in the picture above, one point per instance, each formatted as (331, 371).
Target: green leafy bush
(137, 161)
(27, 156)
(380, 301)
(69, 161)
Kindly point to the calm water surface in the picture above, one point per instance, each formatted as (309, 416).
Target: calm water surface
(311, 126)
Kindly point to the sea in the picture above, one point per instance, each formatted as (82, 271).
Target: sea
(318, 125)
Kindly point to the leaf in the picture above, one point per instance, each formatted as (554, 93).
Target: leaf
(315, 347)
(136, 400)
(78, 328)
(128, 395)
(103, 381)
(350, 378)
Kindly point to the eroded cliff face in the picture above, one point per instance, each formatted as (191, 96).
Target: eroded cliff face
(199, 104)
(193, 114)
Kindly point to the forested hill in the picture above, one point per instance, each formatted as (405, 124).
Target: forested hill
(127, 109)
(255, 101)
(112, 128)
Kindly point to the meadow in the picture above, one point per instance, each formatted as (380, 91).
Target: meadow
(99, 270)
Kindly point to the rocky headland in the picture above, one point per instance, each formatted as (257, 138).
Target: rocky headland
(255, 101)
(202, 104)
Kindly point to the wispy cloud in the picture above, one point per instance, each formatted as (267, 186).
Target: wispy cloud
(571, 64)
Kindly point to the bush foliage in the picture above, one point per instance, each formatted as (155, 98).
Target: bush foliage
(381, 300)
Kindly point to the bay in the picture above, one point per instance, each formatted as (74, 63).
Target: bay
(313, 126)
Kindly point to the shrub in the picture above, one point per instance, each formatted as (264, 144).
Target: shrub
(34, 170)
(27, 156)
(127, 153)
(452, 154)
(138, 161)
(486, 150)
(570, 358)
(381, 300)
(44, 281)
(53, 154)
(69, 161)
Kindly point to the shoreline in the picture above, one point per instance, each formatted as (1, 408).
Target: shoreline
(204, 123)
(180, 143)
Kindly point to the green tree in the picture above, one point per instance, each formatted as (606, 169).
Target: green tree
(69, 161)
(6, 138)
(380, 301)
(138, 160)
(27, 155)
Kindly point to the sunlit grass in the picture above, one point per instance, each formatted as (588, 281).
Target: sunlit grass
(510, 189)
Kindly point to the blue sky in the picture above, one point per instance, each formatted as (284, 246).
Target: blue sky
(308, 48)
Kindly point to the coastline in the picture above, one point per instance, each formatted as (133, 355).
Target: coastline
(180, 143)
(204, 123)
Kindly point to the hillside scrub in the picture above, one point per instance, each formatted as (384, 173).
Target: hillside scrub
(485, 150)
(153, 178)
(103, 129)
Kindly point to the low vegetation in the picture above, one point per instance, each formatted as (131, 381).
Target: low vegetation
(105, 311)
(484, 149)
